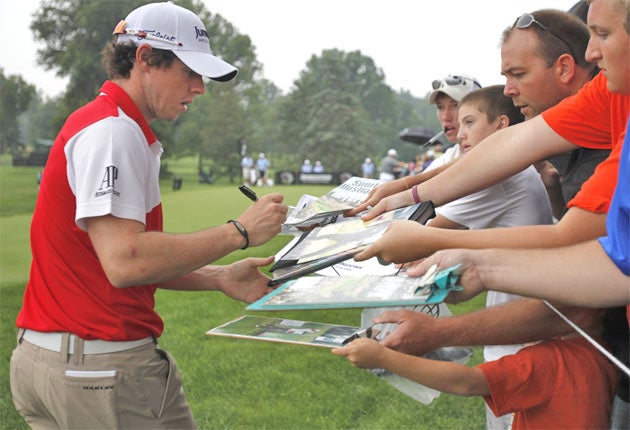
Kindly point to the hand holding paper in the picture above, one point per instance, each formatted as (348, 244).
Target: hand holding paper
(467, 261)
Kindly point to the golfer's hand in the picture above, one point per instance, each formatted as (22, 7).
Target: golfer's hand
(263, 220)
(243, 281)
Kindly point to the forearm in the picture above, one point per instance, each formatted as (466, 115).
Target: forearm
(576, 226)
(131, 256)
(445, 376)
(428, 174)
(166, 256)
(423, 241)
(406, 182)
(520, 321)
(203, 279)
(581, 275)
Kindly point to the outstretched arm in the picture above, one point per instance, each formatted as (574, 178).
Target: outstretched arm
(445, 376)
(580, 275)
(406, 241)
(519, 321)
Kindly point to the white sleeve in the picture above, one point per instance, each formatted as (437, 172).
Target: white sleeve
(476, 211)
(112, 170)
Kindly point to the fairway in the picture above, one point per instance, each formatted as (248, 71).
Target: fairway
(233, 383)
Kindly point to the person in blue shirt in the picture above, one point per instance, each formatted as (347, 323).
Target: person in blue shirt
(319, 168)
(262, 164)
(307, 167)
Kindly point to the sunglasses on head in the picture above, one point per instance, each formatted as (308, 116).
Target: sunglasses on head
(453, 80)
(121, 29)
(527, 19)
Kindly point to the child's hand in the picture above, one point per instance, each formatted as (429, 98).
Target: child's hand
(363, 352)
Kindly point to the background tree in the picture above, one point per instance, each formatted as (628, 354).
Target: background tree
(337, 131)
(340, 102)
(36, 122)
(74, 32)
(16, 95)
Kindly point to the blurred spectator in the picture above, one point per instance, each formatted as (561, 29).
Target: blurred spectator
(262, 165)
(247, 164)
(390, 166)
(307, 167)
(367, 168)
(318, 167)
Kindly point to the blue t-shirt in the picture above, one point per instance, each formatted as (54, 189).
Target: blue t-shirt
(617, 242)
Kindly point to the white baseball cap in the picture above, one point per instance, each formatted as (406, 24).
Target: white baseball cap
(392, 152)
(455, 86)
(174, 28)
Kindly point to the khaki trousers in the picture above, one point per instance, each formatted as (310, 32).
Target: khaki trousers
(139, 388)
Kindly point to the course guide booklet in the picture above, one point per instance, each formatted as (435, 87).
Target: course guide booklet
(327, 208)
(328, 292)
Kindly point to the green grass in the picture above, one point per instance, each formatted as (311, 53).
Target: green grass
(233, 383)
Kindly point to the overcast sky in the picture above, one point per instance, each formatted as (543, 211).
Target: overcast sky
(412, 41)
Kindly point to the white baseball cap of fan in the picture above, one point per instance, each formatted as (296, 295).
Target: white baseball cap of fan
(174, 28)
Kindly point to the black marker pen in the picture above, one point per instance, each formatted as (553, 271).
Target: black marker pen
(248, 193)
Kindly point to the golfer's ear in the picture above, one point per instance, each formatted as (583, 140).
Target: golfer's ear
(143, 56)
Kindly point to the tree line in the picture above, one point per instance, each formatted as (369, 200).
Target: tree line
(339, 109)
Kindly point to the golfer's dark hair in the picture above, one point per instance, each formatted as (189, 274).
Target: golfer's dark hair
(118, 59)
(491, 101)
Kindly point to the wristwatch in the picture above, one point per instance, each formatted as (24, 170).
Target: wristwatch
(241, 230)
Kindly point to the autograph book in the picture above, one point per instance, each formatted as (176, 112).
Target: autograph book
(327, 292)
(330, 244)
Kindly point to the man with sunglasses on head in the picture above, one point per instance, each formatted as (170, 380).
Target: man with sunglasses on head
(87, 355)
(533, 83)
(536, 86)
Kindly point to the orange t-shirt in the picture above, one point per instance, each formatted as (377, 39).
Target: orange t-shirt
(593, 118)
(556, 384)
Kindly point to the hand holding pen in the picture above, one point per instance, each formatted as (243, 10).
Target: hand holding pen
(262, 220)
